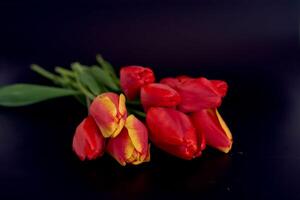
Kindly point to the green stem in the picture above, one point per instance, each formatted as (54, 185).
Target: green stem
(56, 79)
(85, 91)
(77, 68)
(88, 103)
(65, 72)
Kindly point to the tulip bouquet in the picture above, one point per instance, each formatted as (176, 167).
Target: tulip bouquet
(177, 114)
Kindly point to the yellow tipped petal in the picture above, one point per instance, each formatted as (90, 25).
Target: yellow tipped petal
(118, 128)
(137, 162)
(122, 105)
(108, 104)
(224, 126)
(225, 149)
(140, 158)
(108, 130)
(134, 156)
(137, 133)
(129, 151)
(137, 159)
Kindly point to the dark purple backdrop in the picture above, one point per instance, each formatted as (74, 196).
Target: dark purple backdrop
(253, 45)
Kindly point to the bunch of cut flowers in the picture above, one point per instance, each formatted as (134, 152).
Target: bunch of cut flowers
(126, 114)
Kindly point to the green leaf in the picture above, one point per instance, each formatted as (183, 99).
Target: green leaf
(89, 81)
(26, 94)
(86, 80)
(103, 77)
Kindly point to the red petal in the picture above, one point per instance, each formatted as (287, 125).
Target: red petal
(132, 78)
(220, 86)
(88, 142)
(172, 82)
(210, 123)
(172, 131)
(159, 95)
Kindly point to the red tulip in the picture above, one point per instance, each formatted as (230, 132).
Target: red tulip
(109, 112)
(220, 86)
(88, 142)
(210, 123)
(173, 132)
(131, 145)
(132, 78)
(197, 93)
(159, 95)
(177, 82)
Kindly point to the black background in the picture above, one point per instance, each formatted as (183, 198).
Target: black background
(253, 45)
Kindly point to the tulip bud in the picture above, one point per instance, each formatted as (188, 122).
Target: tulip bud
(159, 95)
(220, 86)
(173, 132)
(88, 142)
(175, 83)
(109, 112)
(210, 123)
(197, 93)
(132, 78)
(131, 145)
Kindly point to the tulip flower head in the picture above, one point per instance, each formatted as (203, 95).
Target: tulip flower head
(210, 123)
(131, 145)
(159, 95)
(197, 93)
(109, 112)
(220, 86)
(88, 142)
(173, 132)
(132, 78)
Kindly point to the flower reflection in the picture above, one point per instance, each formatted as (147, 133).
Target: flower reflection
(168, 175)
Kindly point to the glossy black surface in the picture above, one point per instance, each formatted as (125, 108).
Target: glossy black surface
(253, 45)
